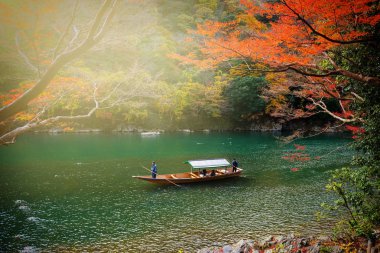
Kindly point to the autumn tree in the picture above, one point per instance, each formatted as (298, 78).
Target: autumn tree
(327, 55)
(63, 55)
(301, 39)
(124, 66)
(31, 23)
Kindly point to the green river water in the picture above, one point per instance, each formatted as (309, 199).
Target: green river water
(75, 192)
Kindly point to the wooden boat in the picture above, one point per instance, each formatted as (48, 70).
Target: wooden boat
(150, 133)
(221, 167)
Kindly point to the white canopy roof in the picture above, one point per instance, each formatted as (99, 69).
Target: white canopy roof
(201, 164)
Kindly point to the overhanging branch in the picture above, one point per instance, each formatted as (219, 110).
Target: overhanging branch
(337, 72)
(303, 20)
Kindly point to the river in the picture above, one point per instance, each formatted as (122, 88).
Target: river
(75, 192)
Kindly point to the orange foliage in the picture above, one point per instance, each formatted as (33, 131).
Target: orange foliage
(70, 91)
(299, 34)
(31, 23)
(24, 116)
(14, 93)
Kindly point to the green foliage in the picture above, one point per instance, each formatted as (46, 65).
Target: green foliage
(185, 22)
(325, 249)
(191, 103)
(135, 117)
(358, 187)
(243, 97)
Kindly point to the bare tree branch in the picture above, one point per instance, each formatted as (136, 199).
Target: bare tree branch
(324, 108)
(10, 137)
(243, 57)
(106, 22)
(325, 73)
(357, 96)
(23, 55)
(76, 33)
(115, 97)
(60, 41)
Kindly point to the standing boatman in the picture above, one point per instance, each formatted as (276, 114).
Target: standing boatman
(234, 165)
(153, 169)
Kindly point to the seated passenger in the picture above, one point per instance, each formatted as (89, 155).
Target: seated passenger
(212, 173)
(204, 173)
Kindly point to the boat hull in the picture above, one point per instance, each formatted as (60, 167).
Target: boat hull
(188, 178)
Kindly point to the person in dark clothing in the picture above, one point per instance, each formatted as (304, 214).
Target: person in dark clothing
(212, 173)
(234, 165)
(153, 169)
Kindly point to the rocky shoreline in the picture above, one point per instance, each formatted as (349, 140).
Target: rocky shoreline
(293, 244)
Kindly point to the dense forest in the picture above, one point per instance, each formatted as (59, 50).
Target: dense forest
(201, 64)
(140, 82)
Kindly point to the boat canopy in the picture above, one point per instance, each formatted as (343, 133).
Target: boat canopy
(202, 164)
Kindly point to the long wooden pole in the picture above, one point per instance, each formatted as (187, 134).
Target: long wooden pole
(163, 178)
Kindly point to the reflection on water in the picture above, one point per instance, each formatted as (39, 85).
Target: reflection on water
(76, 191)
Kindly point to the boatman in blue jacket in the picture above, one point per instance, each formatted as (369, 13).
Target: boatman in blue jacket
(153, 169)
(234, 165)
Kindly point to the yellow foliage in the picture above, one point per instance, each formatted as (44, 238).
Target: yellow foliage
(240, 70)
(276, 104)
(251, 22)
(135, 115)
(24, 116)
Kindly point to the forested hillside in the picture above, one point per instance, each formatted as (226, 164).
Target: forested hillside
(130, 76)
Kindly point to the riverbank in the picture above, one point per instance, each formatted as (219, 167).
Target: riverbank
(292, 243)
(58, 130)
(256, 124)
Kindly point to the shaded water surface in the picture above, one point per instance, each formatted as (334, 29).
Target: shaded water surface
(75, 192)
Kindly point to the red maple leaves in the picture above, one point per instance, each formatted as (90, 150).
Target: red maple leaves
(298, 156)
(298, 36)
